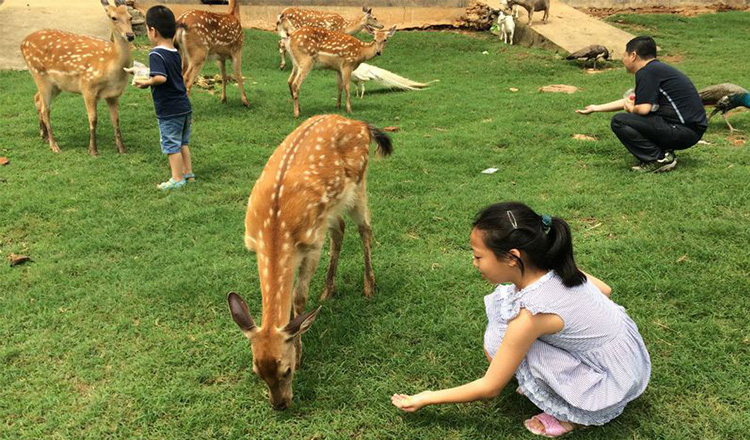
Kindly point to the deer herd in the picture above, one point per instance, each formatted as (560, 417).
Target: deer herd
(314, 177)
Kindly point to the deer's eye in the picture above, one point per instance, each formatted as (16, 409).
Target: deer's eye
(114, 18)
(287, 372)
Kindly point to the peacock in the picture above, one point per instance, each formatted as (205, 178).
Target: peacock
(367, 72)
(725, 97)
(590, 52)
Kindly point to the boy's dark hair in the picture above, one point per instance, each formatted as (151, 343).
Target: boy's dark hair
(161, 18)
(513, 225)
(644, 46)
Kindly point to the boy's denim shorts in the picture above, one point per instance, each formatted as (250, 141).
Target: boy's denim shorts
(174, 133)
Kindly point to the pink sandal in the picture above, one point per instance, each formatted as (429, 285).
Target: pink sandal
(552, 426)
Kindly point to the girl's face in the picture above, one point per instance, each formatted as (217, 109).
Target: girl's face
(493, 269)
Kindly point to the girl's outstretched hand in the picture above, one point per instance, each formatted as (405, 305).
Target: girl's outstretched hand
(410, 403)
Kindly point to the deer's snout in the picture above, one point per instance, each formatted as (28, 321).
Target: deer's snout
(130, 36)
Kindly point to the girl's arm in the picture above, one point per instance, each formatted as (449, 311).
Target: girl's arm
(522, 331)
(613, 106)
(601, 285)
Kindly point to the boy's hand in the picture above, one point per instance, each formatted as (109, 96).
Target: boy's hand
(589, 109)
(142, 84)
(410, 403)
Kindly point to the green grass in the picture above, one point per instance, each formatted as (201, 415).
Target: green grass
(119, 328)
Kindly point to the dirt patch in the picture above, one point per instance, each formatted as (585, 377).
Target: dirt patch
(558, 88)
(688, 11)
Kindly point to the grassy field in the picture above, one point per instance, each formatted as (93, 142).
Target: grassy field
(119, 327)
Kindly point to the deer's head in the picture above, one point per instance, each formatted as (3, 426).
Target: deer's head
(369, 20)
(120, 18)
(275, 350)
(381, 37)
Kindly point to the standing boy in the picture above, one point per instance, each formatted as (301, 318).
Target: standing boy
(171, 103)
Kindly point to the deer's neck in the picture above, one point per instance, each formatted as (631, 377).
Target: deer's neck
(369, 51)
(121, 51)
(351, 27)
(234, 8)
(276, 271)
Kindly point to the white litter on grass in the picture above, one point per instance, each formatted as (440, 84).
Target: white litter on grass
(704, 142)
(490, 171)
(484, 52)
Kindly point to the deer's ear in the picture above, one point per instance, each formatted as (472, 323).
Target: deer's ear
(301, 323)
(392, 31)
(241, 314)
(105, 3)
(366, 10)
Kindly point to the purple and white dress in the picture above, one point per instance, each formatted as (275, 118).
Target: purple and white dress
(587, 372)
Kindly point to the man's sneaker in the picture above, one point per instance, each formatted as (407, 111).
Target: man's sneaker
(658, 166)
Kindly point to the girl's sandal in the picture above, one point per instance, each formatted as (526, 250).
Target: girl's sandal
(171, 184)
(552, 427)
(189, 177)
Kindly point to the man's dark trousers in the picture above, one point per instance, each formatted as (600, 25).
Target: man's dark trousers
(648, 137)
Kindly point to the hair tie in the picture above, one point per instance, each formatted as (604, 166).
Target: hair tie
(546, 222)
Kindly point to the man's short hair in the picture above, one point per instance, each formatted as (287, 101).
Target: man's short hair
(161, 18)
(644, 46)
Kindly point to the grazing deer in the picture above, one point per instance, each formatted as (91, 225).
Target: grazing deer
(90, 66)
(332, 50)
(202, 35)
(314, 176)
(292, 19)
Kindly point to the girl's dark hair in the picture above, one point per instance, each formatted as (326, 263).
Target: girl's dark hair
(513, 225)
(161, 18)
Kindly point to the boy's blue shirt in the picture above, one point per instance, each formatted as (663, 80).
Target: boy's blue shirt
(170, 98)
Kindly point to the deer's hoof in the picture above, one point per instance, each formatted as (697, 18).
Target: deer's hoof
(54, 148)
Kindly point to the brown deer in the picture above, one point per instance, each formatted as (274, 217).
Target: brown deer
(61, 61)
(202, 35)
(314, 176)
(332, 50)
(292, 19)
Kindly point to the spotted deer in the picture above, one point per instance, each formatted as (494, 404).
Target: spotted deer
(62, 61)
(292, 19)
(332, 50)
(203, 35)
(317, 174)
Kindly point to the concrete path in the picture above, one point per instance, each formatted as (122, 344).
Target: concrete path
(19, 18)
(568, 29)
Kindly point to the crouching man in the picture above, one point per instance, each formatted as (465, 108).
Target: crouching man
(666, 113)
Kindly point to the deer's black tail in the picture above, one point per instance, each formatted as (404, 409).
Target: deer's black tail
(385, 147)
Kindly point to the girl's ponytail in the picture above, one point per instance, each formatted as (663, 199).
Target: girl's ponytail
(560, 254)
(545, 240)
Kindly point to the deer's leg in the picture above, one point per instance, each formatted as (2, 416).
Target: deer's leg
(531, 13)
(338, 81)
(346, 79)
(89, 99)
(361, 215)
(303, 69)
(223, 68)
(336, 230)
(282, 53)
(115, 117)
(42, 125)
(197, 59)
(237, 66)
(304, 275)
(46, 95)
(546, 15)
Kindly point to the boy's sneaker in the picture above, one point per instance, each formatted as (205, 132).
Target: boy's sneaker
(171, 184)
(668, 163)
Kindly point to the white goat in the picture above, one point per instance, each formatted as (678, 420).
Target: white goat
(507, 26)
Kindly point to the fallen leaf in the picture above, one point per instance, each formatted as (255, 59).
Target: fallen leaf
(4, 161)
(682, 258)
(513, 89)
(440, 129)
(558, 88)
(583, 137)
(391, 129)
(737, 140)
(15, 259)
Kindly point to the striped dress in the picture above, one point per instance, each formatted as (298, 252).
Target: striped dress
(587, 372)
